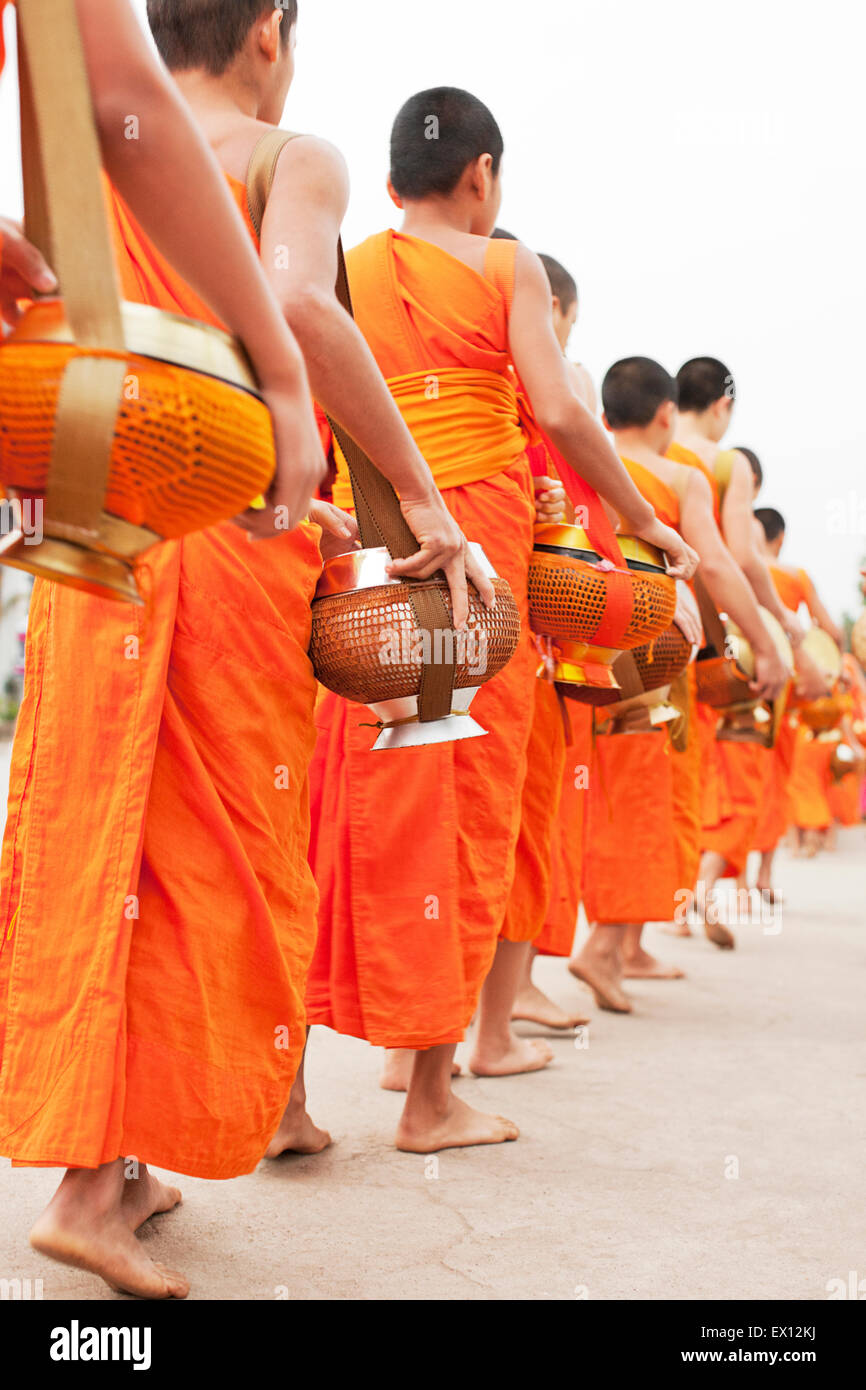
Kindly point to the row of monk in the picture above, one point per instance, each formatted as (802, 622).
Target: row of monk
(202, 857)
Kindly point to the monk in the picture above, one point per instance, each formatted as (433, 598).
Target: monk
(797, 592)
(236, 107)
(845, 794)
(730, 784)
(557, 890)
(176, 889)
(52, 1054)
(414, 896)
(643, 826)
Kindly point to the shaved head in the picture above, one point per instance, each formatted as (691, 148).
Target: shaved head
(209, 34)
(438, 133)
(562, 284)
(633, 390)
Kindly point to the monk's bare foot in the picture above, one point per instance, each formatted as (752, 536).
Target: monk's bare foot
(509, 1056)
(642, 966)
(769, 894)
(533, 1006)
(720, 936)
(144, 1197)
(680, 929)
(603, 979)
(297, 1134)
(397, 1070)
(455, 1125)
(83, 1228)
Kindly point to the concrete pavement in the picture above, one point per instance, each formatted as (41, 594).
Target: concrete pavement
(709, 1146)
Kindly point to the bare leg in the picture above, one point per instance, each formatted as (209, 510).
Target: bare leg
(297, 1134)
(90, 1223)
(433, 1118)
(599, 965)
(638, 964)
(811, 841)
(397, 1071)
(764, 881)
(497, 1050)
(712, 867)
(533, 1006)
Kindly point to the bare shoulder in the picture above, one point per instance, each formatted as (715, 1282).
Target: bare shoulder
(313, 164)
(741, 464)
(695, 483)
(529, 271)
(584, 385)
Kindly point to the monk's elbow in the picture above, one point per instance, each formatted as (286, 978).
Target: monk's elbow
(308, 308)
(555, 418)
(712, 569)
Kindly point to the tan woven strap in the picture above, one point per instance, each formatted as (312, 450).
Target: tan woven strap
(65, 218)
(723, 471)
(377, 507)
(714, 628)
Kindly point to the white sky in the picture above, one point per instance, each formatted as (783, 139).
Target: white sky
(699, 167)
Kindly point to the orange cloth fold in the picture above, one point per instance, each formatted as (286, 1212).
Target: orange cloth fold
(775, 813)
(448, 359)
(567, 863)
(641, 837)
(809, 785)
(157, 912)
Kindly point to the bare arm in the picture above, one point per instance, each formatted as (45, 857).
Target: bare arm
(741, 532)
(820, 614)
(304, 215)
(299, 252)
(727, 585)
(556, 405)
(562, 415)
(172, 183)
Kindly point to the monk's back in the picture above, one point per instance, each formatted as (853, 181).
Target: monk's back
(455, 308)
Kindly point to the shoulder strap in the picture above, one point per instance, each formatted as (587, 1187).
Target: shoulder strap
(65, 218)
(261, 171)
(377, 507)
(723, 469)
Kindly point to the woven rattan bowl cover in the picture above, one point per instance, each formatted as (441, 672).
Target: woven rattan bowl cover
(661, 661)
(567, 599)
(366, 645)
(189, 451)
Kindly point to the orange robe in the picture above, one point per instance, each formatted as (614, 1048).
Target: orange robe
(567, 849)
(715, 800)
(549, 855)
(794, 588)
(846, 796)
(157, 914)
(641, 835)
(414, 850)
(844, 799)
(809, 786)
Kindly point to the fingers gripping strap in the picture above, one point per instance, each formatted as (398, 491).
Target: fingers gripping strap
(65, 218)
(377, 507)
